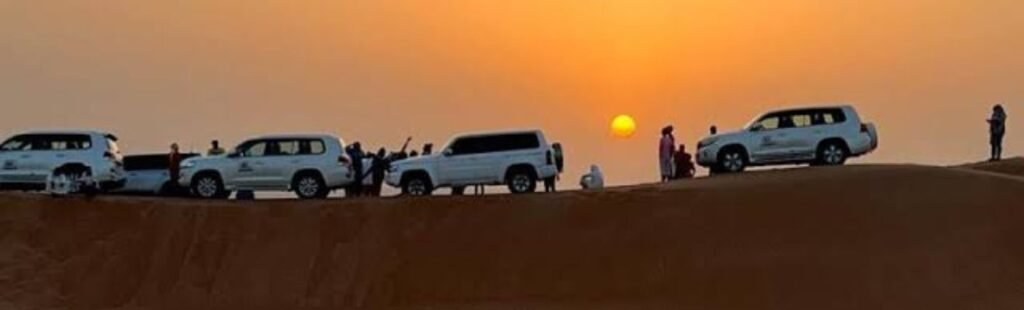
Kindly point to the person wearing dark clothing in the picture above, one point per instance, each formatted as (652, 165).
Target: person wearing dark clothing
(379, 168)
(357, 156)
(549, 184)
(215, 149)
(997, 129)
(665, 150)
(173, 169)
(714, 130)
(684, 164)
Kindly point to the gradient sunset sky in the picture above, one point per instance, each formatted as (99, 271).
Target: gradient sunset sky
(156, 72)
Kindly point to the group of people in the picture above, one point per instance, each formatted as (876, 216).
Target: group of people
(369, 170)
(675, 163)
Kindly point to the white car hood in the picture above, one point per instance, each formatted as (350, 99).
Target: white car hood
(416, 161)
(726, 136)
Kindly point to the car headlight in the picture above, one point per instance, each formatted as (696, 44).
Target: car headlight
(707, 143)
(188, 164)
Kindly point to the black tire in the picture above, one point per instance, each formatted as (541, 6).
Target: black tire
(521, 181)
(209, 186)
(832, 153)
(417, 185)
(310, 186)
(732, 160)
(79, 176)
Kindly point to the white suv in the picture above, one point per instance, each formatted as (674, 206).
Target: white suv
(90, 158)
(514, 158)
(309, 165)
(818, 136)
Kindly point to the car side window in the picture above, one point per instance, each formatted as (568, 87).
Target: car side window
(512, 142)
(316, 147)
(828, 117)
(285, 147)
(69, 142)
(466, 146)
(303, 147)
(769, 122)
(253, 149)
(801, 119)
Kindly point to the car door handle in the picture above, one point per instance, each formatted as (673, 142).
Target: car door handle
(26, 156)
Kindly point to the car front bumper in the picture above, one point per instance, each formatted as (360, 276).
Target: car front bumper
(393, 179)
(706, 156)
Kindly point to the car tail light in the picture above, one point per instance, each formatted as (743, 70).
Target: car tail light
(551, 158)
(108, 155)
(863, 128)
(344, 160)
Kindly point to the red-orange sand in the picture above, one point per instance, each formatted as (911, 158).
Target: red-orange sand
(858, 237)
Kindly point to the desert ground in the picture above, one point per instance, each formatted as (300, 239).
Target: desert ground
(854, 237)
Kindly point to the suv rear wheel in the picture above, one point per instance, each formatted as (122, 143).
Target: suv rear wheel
(75, 179)
(417, 185)
(209, 186)
(832, 154)
(310, 186)
(521, 181)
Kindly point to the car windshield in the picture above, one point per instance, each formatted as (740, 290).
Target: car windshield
(14, 144)
(757, 120)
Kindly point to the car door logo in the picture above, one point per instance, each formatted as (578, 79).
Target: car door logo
(9, 165)
(244, 167)
(767, 141)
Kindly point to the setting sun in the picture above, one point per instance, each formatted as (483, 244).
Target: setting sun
(623, 126)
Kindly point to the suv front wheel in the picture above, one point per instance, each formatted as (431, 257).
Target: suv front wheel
(417, 185)
(521, 181)
(209, 186)
(732, 160)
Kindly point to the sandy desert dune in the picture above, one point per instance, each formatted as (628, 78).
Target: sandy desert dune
(855, 237)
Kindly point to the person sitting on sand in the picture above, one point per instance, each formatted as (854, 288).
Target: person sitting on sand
(684, 164)
(592, 180)
(997, 129)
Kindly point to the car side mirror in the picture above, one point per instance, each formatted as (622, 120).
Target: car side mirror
(757, 127)
(234, 155)
(448, 152)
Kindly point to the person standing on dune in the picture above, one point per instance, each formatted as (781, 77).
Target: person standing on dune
(174, 168)
(997, 129)
(665, 151)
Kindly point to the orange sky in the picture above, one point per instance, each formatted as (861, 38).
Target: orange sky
(154, 72)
